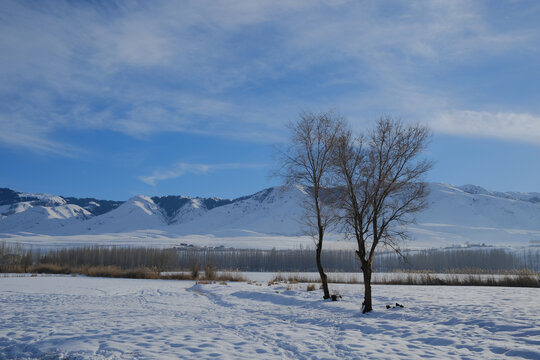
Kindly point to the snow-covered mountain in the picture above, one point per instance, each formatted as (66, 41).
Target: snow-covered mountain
(273, 211)
(138, 213)
(456, 215)
(41, 213)
(474, 215)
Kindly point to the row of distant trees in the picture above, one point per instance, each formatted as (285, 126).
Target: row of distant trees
(488, 260)
(369, 185)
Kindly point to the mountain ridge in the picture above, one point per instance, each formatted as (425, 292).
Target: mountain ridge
(456, 214)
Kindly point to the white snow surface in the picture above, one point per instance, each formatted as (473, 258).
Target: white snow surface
(189, 212)
(275, 211)
(96, 318)
(138, 213)
(43, 219)
(475, 215)
(48, 199)
(455, 216)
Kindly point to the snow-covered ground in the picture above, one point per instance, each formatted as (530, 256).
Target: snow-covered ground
(94, 318)
(159, 239)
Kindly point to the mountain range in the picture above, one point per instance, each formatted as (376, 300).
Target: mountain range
(455, 216)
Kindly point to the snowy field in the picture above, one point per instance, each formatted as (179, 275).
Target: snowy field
(94, 318)
(161, 239)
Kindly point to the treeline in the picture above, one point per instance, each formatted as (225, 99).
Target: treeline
(15, 258)
(488, 260)
(302, 260)
(270, 260)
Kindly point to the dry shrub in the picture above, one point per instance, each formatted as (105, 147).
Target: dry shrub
(50, 269)
(343, 279)
(102, 271)
(235, 276)
(116, 272)
(195, 270)
(229, 276)
(297, 278)
(177, 276)
(311, 287)
(525, 279)
(141, 273)
(291, 278)
(9, 268)
(209, 273)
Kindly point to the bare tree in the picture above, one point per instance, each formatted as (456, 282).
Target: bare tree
(380, 185)
(307, 162)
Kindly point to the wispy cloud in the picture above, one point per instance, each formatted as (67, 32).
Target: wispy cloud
(40, 145)
(181, 169)
(503, 125)
(21, 133)
(216, 68)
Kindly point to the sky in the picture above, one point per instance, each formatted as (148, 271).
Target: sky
(110, 99)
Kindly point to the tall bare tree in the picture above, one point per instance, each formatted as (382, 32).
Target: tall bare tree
(380, 182)
(307, 162)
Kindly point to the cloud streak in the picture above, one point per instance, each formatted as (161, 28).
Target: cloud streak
(501, 125)
(181, 169)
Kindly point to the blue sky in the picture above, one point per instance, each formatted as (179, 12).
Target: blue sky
(112, 99)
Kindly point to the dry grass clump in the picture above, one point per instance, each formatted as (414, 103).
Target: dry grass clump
(311, 287)
(344, 278)
(116, 272)
(49, 269)
(195, 270)
(229, 276)
(176, 276)
(210, 274)
(525, 279)
(291, 279)
(111, 271)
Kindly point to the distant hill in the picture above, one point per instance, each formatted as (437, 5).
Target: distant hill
(456, 215)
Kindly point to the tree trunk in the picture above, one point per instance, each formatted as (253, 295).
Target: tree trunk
(324, 279)
(367, 306)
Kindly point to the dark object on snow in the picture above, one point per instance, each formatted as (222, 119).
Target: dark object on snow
(393, 307)
(335, 297)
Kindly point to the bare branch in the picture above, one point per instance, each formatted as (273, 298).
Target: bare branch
(307, 162)
(382, 184)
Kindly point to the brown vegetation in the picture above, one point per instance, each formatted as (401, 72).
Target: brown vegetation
(525, 279)
(519, 279)
(117, 272)
(298, 278)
